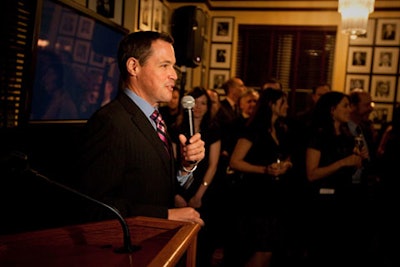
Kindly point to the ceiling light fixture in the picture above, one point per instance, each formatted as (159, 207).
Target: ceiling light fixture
(355, 16)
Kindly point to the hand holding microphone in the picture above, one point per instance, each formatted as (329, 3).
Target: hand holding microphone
(196, 148)
(188, 121)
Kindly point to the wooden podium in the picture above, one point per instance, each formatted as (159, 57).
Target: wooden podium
(162, 243)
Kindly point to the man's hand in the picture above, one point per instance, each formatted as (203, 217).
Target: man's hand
(194, 151)
(186, 214)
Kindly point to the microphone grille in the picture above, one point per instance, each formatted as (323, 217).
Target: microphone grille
(187, 102)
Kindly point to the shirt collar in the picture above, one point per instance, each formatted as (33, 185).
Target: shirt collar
(144, 106)
(352, 127)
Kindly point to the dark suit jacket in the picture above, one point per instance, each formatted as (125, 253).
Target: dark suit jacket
(124, 164)
(226, 118)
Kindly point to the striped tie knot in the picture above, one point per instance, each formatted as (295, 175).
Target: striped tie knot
(161, 128)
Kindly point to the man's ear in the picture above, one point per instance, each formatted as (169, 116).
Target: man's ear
(132, 66)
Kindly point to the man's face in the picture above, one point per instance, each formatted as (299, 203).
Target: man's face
(238, 88)
(248, 103)
(364, 107)
(155, 79)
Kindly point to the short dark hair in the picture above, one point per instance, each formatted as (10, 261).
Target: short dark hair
(229, 83)
(271, 80)
(354, 96)
(314, 89)
(138, 45)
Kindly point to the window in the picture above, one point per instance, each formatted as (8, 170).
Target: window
(300, 57)
(15, 46)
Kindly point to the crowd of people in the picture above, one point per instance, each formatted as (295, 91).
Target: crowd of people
(268, 188)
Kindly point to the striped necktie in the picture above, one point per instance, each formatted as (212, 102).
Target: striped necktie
(161, 129)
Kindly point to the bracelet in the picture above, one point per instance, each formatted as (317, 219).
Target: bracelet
(192, 170)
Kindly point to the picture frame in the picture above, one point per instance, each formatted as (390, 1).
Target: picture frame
(85, 28)
(217, 78)
(220, 56)
(69, 24)
(388, 32)
(145, 15)
(354, 81)
(112, 10)
(383, 88)
(385, 60)
(222, 29)
(97, 60)
(156, 24)
(359, 59)
(81, 51)
(381, 114)
(368, 37)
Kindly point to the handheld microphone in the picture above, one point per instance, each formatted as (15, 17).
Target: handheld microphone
(20, 164)
(188, 104)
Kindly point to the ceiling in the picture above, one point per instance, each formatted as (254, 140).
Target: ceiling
(284, 5)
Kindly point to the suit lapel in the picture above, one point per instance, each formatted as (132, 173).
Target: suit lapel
(145, 127)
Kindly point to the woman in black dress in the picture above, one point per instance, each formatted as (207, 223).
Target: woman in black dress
(262, 154)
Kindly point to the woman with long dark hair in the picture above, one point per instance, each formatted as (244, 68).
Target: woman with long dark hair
(262, 154)
(331, 160)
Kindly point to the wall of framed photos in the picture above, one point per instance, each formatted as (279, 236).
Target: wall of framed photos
(220, 52)
(373, 65)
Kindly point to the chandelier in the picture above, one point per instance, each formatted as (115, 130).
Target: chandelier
(355, 16)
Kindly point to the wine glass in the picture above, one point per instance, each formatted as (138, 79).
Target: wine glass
(278, 165)
(359, 143)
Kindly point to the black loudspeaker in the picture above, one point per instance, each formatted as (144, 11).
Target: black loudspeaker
(187, 28)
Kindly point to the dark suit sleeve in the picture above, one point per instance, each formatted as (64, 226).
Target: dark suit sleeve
(120, 166)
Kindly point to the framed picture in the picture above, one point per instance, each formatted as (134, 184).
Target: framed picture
(221, 56)
(388, 32)
(157, 16)
(222, 29)
(368, 37)
(217, 78)
(359, 59)
(69, 23)
(382, 88)
(165, 19)
(385, 60)
(145, 14)
(356, 81)
(111, 9)
(85, 28)
(97, 60)
(381, 114)
(81, 51)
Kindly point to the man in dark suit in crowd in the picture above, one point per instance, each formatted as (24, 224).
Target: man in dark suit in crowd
(124, 162)
(226, 116)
